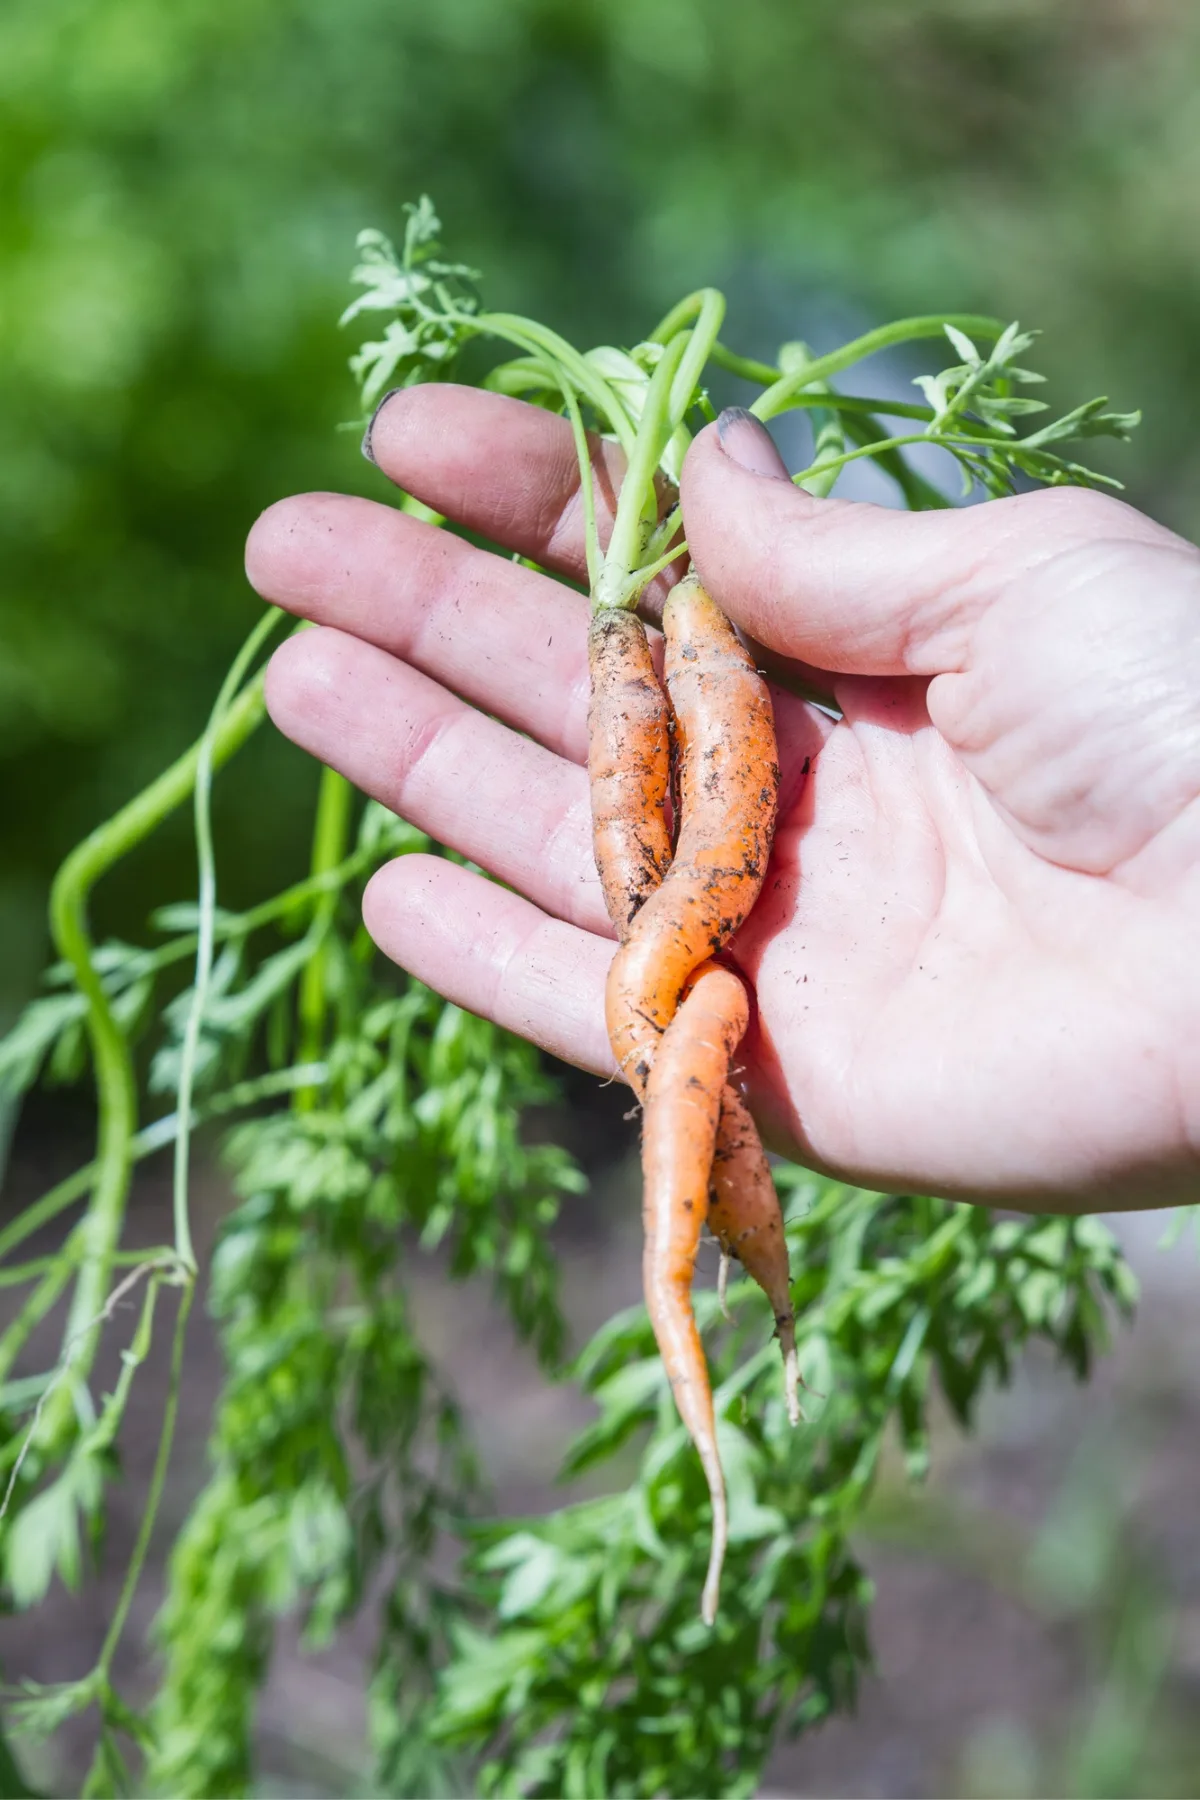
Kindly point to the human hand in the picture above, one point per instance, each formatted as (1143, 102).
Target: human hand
(977, 952)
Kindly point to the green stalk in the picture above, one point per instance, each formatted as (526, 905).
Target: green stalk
(860, 423)
(856, 405)
(37, 1304)
(206, 908)
(681, 315)
(151, 1138)
(778, 396)
(746, 367)
(618, 585)
(540, 341)
(698, 351)
(234, 925)
(157, 1484)
(330, 832)
(919, 495)
(593, 555)
(967, 440)
(116, 1088)
(53, 1202)
(829, 436)
(17, 1274)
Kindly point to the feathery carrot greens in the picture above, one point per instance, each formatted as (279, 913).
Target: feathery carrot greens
(367, 1124)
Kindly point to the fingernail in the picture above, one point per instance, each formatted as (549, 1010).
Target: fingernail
(747, 442)
(366, 442)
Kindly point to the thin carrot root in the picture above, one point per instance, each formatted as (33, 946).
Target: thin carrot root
(792, 1377)
(744, 1216)
(723, 1285)
(683, 1104)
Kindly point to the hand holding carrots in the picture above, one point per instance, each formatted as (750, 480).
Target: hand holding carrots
(977, 951)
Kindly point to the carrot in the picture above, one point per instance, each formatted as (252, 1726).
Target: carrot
(629, 762)
(729, 782)
(745, 1218)
(629, 756)
(683, 1101)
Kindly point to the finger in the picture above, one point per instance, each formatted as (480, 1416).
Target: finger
(499, 635)
(477, 787)
(499, 466)
(494, 954)
(508, 640)
(505, 469)
(861, 589)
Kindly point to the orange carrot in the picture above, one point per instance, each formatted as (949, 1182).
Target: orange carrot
(676, 1055)
(729, 781)
(683, 1099)
(629, 756)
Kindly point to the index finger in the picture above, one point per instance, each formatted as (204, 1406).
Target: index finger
(502, 468)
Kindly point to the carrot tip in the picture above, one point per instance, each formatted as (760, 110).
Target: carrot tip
(711, 1596)
(792, 1377)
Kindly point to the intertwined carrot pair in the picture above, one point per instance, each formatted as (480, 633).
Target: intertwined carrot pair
(676, 1016)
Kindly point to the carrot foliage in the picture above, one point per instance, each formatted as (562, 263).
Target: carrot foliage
(368, 1126)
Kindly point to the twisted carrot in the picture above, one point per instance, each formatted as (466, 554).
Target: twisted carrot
(699, 1143)
(729, 783)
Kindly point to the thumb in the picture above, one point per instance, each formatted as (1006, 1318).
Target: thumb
(859, 589)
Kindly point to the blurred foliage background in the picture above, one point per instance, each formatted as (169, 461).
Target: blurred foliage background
(181, 186)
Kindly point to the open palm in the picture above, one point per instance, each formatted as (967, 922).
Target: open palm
(977, 952)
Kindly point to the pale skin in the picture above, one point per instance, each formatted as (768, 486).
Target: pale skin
(976, 957)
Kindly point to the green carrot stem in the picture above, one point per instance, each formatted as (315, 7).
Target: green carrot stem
(919, 495)
(158, 1481)
(698, 350)
(760, 373)
(587, 487)
(829, 434)
(154, 1137)
(958, 439)
(335, 799)
(618, 585)
(777, 397)
(37, 1304)
(115, 1082)
(680, 315)
(527, 335)
(206, 909)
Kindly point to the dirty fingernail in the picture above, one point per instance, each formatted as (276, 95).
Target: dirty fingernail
(366, 442)
(747, 442)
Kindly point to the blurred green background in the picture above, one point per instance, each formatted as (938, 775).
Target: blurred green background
(181, 189)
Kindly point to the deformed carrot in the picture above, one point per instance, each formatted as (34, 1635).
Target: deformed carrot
(683, 1100)
(628, 749)
(729, 783)
(629, 755)
(745, 1217)
(676, 1050)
